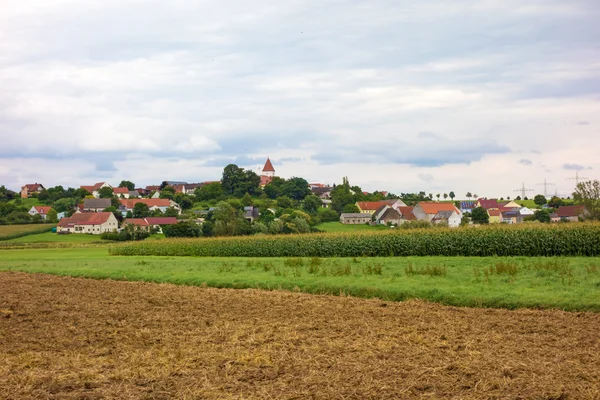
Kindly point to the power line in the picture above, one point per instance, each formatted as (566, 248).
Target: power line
(523, 190)
(546, 184)
(577, 178)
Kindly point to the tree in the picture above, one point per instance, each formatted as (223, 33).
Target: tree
(5, 194)
(469, 195)
(127, 184)
(587, 193)
(351, 208)
(210, 191)
(445, 196)
(452, 196)
(237, 181)
(540, 199)
(52, 215)
(275, 188)
(480, 216)
(341, 195)
(555, 202)
(105, 192)
(438, 196)
(247, 200)
(312, 203)
(182, 229)
(518, 198)
(167, 193)
(227, 220)
(62, 205)
(542, 215)
(296, 188)
(141, 210)
(284, 202)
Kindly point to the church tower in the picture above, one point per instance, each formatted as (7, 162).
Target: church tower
(268, 172)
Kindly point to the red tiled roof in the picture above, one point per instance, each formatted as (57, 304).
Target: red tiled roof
(161, 220)
(130, 203)
(136, 221)
(494, 213)
(94, 187)
(120, 190)
(371, 205)
(407, 213)
(434, 208)
(42, 209)
(33, 187)
(570, 211)
(152, 188)
(85, 219)
(268, 166)
(487, 204)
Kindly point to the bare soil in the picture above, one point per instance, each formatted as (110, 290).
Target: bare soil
(66, 338)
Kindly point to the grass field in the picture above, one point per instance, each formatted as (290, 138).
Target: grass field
(9, 231)
(563, 283)
(64, 338)
(339, 227)
(49, 237)
(29, 202)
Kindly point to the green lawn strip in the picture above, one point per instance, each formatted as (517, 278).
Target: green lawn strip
(464, 284)
(49, 237)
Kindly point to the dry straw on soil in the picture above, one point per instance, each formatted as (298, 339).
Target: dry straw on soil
(65, 338)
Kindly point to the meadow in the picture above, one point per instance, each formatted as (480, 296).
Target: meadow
(339, 227)
(567, 283)
(49, 237)
(8, 232)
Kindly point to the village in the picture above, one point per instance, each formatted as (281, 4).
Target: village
(106, 208)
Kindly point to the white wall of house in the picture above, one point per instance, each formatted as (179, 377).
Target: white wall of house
(454, 220)
(421, 215)
(110, 225)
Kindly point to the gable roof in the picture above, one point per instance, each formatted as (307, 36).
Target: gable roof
(161, 220)
(434, 208)
(135, 221)
(355, 215)
(33, 187)
(268, 166)
(407, 213)
(96, 203)
(371, 205)
(487, 204)
(42, 209)
(570, 211)
(98, 218)
(389, 214)
(494, 213)
(120, 190)
(468, 205)
(443, 215)
(130, 203)
(94, 187)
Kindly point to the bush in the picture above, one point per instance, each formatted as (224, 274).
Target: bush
(182, 229)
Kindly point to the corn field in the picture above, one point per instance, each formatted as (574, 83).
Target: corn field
(576, 239)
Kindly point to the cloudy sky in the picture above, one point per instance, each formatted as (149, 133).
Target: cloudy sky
(398, 95)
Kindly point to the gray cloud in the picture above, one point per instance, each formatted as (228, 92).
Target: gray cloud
(573, 167)
(525, 161)
(426, 177)
(583, 123)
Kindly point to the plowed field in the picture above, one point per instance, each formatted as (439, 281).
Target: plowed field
(67, 338)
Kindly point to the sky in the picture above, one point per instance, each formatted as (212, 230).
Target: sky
(404, 96)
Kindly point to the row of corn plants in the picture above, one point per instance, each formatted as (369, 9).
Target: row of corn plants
(576, 239)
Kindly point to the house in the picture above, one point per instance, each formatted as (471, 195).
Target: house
(571, 213)
(324, 192)
(495, 216)
(372, 206)
(42, 211)
(136, 222)
(427, 211)
(554, 217)
(92, 223)
(268, 172)
(95, 205)
(511, 204)
(467, 206)
(524, 211)
(511, 216)
(153, 204)
(95, 188)
(355, 218)
(149, 223)
(251, 213)
(488, 204)
(386, 215)
(121, 192)
(31, 189)
(450, 217)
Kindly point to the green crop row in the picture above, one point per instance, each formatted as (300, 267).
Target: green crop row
(576, 239)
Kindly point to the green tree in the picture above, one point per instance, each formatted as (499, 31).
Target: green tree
(226, 219)
(275, 188)
(284, 202)
(296, 188)
(540, 199)
(127, 184)
(171, 212)
(542, 215)
(469, 195)
(587, 193)
(341, 195)
(438, 196)
(445, 196)
(452, 196)
(312, 203)
(52, 215)
(480, 216)
(351, 208)
(141, 210)
(182, 229)
(62, 205)
(105, 192)
(237, 181)
(555, 202)
(167, 193)
(247, 200)
(210, 191)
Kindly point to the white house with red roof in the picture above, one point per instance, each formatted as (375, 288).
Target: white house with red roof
(31, 189)
(153, 204)
(438, 212)
(42, 211)
(267, 174)
(95, 188)
(151, 222)
(92, 223)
